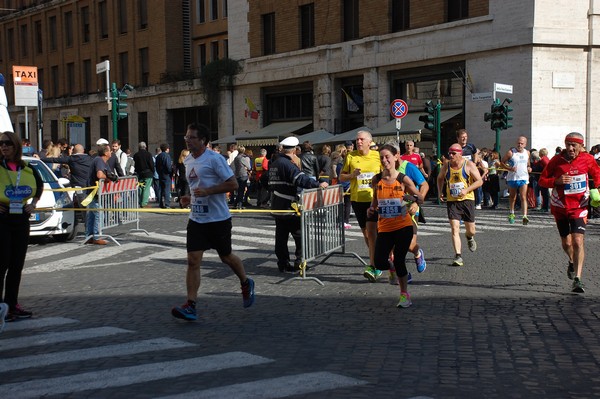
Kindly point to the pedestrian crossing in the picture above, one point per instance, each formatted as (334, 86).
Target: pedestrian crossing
(256, 241)
(48, 380)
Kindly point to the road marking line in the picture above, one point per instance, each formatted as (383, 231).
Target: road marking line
(28, 324)
(123, 376)
(128, 348)
(57, 337)
(272, 388)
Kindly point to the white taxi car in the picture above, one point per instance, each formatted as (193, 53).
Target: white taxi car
(56, 223)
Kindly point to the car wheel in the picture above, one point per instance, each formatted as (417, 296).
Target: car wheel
(68, 236)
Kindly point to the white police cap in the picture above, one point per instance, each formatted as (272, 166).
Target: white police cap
(290, 142)
(102, 141)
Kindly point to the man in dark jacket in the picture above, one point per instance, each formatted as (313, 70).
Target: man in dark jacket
(309, 162)
(285, 180)
(164, 168)
(80, 164)
(144, 168)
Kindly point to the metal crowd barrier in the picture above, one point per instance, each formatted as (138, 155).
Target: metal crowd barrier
(121, 194)
(322, 225)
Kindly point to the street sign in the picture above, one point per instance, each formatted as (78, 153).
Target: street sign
(398, 123)
(26, 85)
(102, 67)
(399, 108)
(502, 88)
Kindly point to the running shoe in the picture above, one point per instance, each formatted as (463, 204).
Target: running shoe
(187, 311)
(248, 292)
(472, 244)
(3, 314)
(525, 220)
(420, 261)
(372, 274)
(511, 218)
(19, 313)
(478, 206)
(347, 226)
(458, 261)
(393, 278)
(409, 278)
(577, 285)
(404, 300)
(570, 271)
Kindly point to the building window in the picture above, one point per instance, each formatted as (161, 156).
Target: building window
(122, 16)
(54, 130)
(225, 48)
(87, 76)
(458, 9)
(268, 22)
(214, 9)
(85, 24)
(143, 11)
(69, 29)
(143, 127)
(214, 51)
(200, 11)
(1, 48)
(39, 41)
(53, 32)
(224, 8)
(307, 25)
(400, 15)
(144, 66)
(103, 19)
(202, 55)
(54, 78)
(124, 67)
(10, 37)
(71, 78)
(24, 40)
(293, 104)
(103, 126)
(41, 79)
(351, 19)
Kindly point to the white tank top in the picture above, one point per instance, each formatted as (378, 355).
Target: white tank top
(519, 159)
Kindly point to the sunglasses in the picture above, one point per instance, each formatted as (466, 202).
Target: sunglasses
(452, 153)
(7, 143)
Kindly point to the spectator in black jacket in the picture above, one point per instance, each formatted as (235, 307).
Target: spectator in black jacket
(309, 162)
(144, 168)
(164, 168)
(79, 164)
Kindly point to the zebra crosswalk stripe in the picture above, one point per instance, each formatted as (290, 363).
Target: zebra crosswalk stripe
(57, 337)
(128, 348)
(272, 388)
(123, 376)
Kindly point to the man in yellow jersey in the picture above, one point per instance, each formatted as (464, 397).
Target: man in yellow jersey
(359, 168)
(461, 178)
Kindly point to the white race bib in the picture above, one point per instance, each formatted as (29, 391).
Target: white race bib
(364, 180)
(391, 208)
(578, 185)
(456, 188)
(199, 208)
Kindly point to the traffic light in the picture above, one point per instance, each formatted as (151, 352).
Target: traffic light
(495, 116)
(121, 105)
(506, 117)
(429, 118)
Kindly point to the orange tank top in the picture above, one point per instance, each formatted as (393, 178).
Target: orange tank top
(391, 207)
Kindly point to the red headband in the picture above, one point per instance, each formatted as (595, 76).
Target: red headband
(574, 139)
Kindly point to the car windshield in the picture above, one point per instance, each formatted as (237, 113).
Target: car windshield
(44, 172)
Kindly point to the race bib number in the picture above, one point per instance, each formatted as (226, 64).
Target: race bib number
(456, 188)
(364, 180)
(578, 185)
(391, 208)
(199, 208)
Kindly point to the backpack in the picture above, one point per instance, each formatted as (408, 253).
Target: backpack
(129, 167)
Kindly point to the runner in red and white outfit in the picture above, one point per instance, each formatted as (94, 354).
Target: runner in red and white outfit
(568, 173)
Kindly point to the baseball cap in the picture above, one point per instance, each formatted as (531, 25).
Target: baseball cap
(102, 141)
(348, 143)
(290, 142)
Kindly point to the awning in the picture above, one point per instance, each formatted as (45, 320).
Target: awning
(339, 138)
(273, 133)
(316, 136)
(231, 139)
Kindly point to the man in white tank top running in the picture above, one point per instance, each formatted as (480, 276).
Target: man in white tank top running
(517, 162)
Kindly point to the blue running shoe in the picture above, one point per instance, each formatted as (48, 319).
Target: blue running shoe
(409, 278)
(186, 311)
(248, 293)
(421, 263)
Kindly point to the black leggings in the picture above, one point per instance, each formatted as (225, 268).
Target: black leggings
(14, 238)
(399, 240)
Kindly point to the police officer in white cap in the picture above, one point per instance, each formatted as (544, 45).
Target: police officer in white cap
(286, 181)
